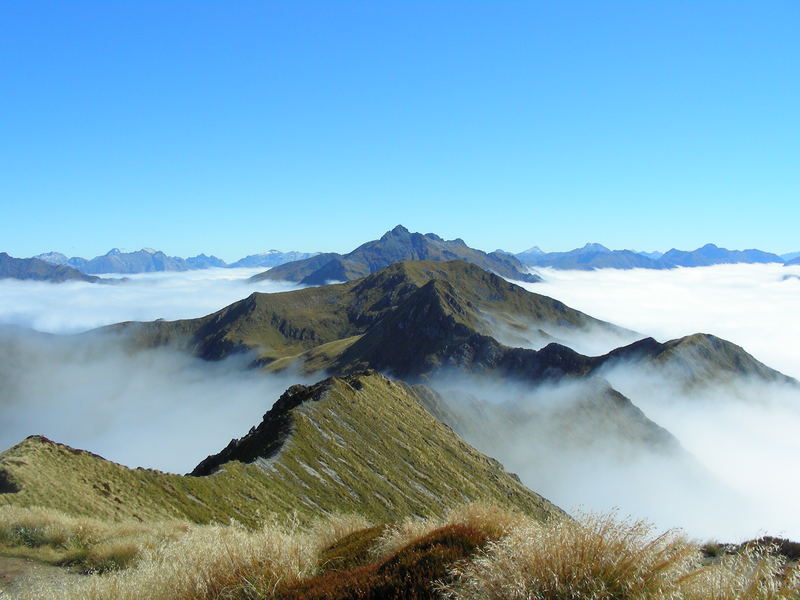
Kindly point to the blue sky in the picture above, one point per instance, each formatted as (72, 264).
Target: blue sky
(235, 127)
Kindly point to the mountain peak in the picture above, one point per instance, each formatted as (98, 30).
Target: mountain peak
(113, 252)
(399, 230)
(594, 247)
(394, 246)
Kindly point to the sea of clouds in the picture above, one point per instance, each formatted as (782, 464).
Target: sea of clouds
(71, 307)
(754, 306)
(743, 434)
(165, 410)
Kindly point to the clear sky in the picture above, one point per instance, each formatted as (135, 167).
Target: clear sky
(235, 127)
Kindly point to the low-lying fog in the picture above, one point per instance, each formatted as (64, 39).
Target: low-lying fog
(77, 306)
(733, 477)
(744, 433)
(158, 409)
(754, 306)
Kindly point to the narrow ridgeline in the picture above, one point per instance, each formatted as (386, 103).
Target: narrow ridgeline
(360, 443)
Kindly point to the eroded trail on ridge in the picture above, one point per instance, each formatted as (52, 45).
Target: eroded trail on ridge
(19, 574)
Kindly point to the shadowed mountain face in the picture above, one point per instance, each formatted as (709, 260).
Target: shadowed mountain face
(395, 246)
(355, 444)
(695, 359)
(409, 320)
(39, 270)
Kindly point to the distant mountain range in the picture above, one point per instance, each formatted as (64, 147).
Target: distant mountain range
(148, 260)
(597, 256)
(313, 268)
(39, 270)
(394, 246)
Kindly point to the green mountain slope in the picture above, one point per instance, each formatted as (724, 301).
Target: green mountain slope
(350, 326)
(694, 359)
(394, 246)
(361, 443)
(414, 319)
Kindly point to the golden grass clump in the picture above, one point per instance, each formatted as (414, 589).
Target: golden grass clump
(495, 521)
(208, 562)
(331, 528)
(594, 558)
(84, 543)
(754, 573)
(602, 558)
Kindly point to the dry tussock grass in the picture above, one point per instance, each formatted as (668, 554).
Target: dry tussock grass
(602, 558)
(215, 562)
(494, 521)
(754, 574)
(477, 552)
(328, 530)
(88, 544)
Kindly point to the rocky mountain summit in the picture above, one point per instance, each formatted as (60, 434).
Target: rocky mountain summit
(394, 246)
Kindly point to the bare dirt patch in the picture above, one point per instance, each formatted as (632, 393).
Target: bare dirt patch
(18, 574)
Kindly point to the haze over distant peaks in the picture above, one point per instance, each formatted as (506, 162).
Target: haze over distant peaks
(149, 260)
(394, 246)
(314, 268)
(39, 270)
(597, 256)
(271, 258)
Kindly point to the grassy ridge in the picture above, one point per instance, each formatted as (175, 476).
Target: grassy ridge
(358, 444)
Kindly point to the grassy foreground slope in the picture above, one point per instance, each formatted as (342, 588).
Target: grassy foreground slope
(356, 444)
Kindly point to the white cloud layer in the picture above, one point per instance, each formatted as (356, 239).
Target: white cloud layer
(744, 435)
(77, 306)
(754, 306)
(156, 408)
